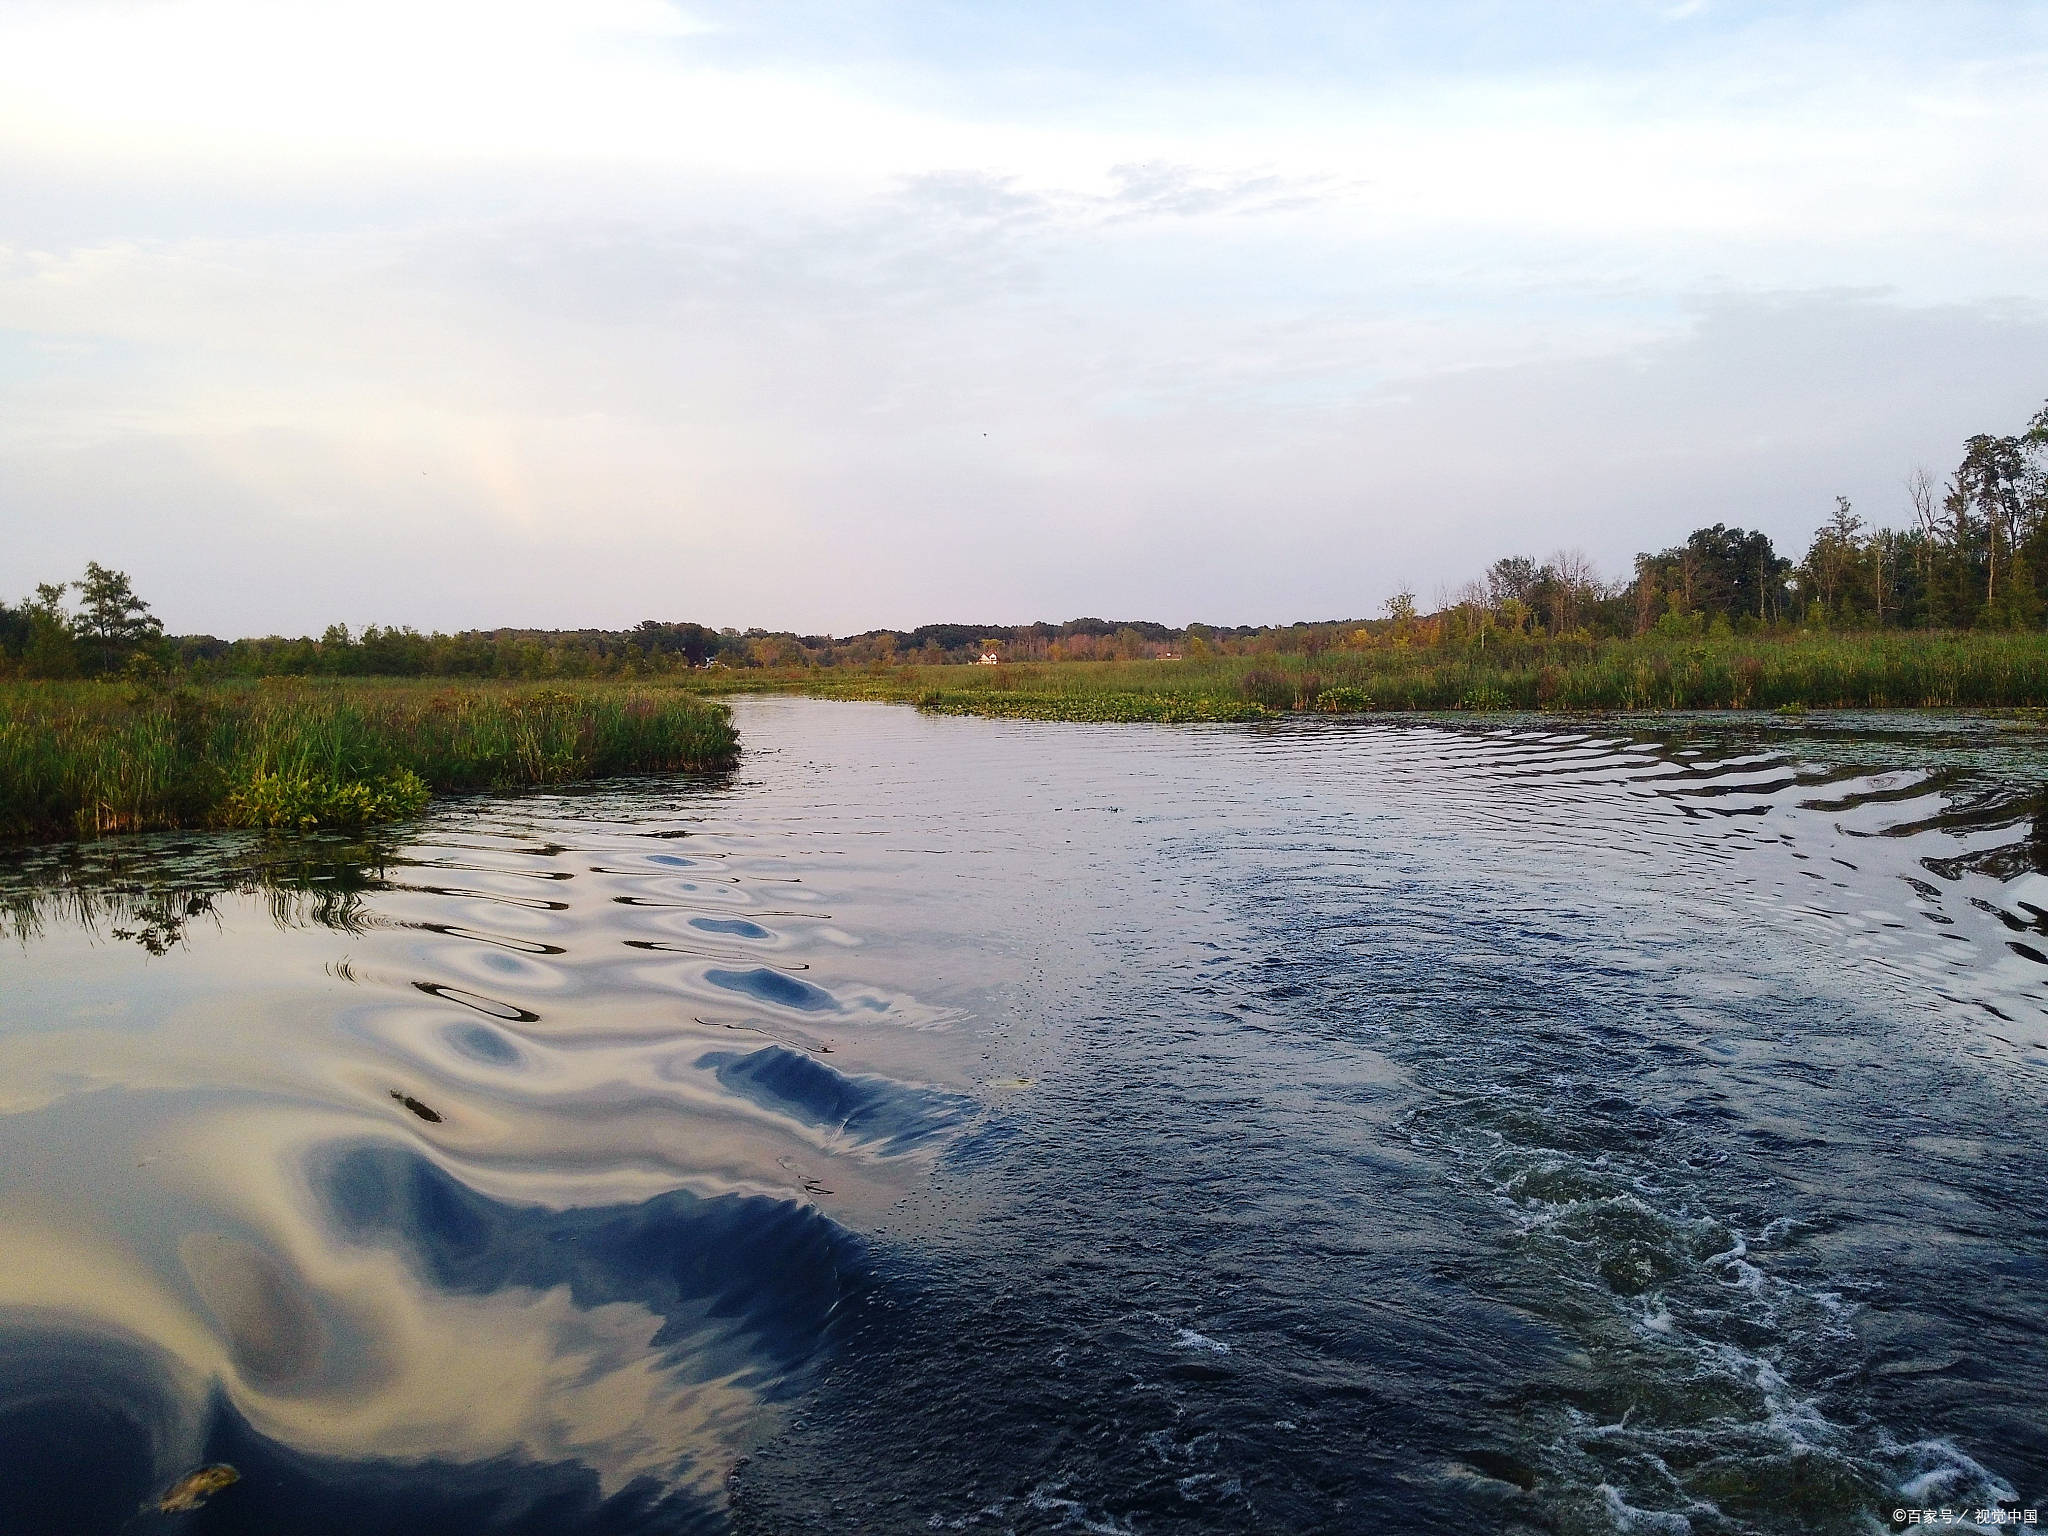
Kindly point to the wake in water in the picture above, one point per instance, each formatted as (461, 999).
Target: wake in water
(954, 1124)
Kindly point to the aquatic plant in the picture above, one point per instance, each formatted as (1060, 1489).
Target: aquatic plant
(1342, 700)
(91, 758)
(305, 801)
(1165, 709)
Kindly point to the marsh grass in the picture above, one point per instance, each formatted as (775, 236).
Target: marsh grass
(1902, 670)
(85, 759)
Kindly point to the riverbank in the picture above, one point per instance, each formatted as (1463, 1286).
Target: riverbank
(1900, 670)
(85, 759)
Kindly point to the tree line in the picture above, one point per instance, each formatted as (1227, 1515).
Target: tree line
(1973, 555)
(110, 631)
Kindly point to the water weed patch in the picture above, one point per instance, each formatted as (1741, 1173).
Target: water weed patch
(1164, 708)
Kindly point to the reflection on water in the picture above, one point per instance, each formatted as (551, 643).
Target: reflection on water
(953, 1124)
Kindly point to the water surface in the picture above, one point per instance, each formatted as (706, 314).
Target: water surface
(1002, 1126)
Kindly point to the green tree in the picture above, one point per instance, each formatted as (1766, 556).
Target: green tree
(112, 622)
(1717, 570)
(52, 650)
(14, 631)
(1512, 579)
(1827, 577)
(1400, 608)
(1991, 491)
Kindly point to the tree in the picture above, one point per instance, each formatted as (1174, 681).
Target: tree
(14, 631)
(1575, 585)
(51, 650)
(1720, 570)
(1992, 484)
(112, 621)
(1512, 579)
(1400, 609)
(1833, 557)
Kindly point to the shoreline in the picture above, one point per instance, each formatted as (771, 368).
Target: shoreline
(84, 760)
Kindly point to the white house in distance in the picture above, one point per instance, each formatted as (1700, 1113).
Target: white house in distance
(989, 659)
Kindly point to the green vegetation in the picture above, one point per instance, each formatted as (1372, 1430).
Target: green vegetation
(303, 801)
(1171, 708)
(90, 758)
(1654, 672)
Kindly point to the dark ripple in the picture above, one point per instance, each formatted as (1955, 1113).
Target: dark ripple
(91, 1421)
(482, 1044)
(738, 928)
(532, 903)
(865, 1110)
(501, 940)
(747, 1287)
(511, 1012)
(660, 947)
(772, 986)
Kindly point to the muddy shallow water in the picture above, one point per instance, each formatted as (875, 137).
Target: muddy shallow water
(974, 1125)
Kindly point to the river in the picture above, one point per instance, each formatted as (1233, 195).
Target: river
(944, 1124)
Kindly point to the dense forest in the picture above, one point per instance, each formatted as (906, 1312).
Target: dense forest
(1973, 556)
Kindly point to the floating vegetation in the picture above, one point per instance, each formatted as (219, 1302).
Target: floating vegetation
(1342, 701)
(431, 1116)
(305, 801)
(1166, 708)
(195, 1488)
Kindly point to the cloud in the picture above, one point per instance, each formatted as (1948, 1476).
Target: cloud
(451, 314)
(858, 492)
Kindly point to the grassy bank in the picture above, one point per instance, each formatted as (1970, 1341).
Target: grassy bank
(1810, 671)
(82, 759)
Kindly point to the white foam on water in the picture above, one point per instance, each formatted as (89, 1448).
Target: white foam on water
(1939, 1472)
(1627, 1517)
(1045, 1500)
(1592, 1212)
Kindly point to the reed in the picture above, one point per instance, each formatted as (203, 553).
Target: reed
(84, 759)
(1890, 670)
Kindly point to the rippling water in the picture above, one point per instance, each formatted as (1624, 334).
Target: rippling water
(947, 1124)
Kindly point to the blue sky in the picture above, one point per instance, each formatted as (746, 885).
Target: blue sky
(832, 316)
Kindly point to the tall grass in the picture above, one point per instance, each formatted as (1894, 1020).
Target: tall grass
(1911, 670)
(90, 758)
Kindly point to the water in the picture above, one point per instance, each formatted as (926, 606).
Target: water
(963, 1125)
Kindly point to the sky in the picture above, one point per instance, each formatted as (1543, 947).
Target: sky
(835, 316)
